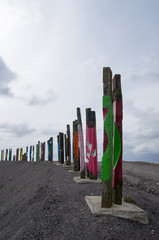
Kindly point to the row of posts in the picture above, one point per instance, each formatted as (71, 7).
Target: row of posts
(112, 143)
(34, 153)
(64, 141)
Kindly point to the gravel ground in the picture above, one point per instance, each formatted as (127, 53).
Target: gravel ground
(41, 201)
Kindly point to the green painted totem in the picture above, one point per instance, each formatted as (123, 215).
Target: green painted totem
(112, 144)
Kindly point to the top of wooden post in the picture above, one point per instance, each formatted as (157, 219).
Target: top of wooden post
(107, 81)
(79, 116)
(117, 93)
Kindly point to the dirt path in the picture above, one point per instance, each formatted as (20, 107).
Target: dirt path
(40, 201)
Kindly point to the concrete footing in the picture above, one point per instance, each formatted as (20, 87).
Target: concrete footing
(67, 166)
(86, 180)
(126, 210)
(71, 171)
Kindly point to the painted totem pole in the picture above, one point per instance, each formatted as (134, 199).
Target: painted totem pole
(118, 116)
(39, 148)
(21, 154)
(26, 157)
(107, 165)
(112, 144)
(6, 158)
(92, 144)
(76, 156)
(10, 154)
(37, 152)
(51, 149)
(81, 144)
(33, 154)
(65, 148)
(48, 147)
(58, 148)
(17, 154)
(14, 158)
(61, 143)
(43, 151)
(87, 149)
(30, 155)
(68, 146)
(2, 155)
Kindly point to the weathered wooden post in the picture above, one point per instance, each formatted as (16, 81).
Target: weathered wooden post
(17, 154)
(65, 148)
(61, 142)
(37, 152)
(6, 158)
(10, 154)
(51, 149)
(118, 116)
(81, 144)
(68, 146)
(58, 148)
(39, 149)
(87, 142)
(33, 154)
(2, 155)
(26, 154)
(107, 160)
(21, 154)
(14, 158)
(76, 156)
(43, 151)
(92, 145)
(30, 153)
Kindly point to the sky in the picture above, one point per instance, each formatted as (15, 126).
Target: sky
(52, 54)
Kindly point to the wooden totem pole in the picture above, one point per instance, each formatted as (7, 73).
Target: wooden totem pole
(48, 147)
(61, 142)
(6, 158)
(10, 154)
(87, 142)
(37, 152)
(26, 153)
(21, 154)
(76, 158)
(58, 148)
(107, 160)
(81, 144)
(17, 154)
(92, 144)
(51, 149)
(118, 116)
(112, 144)
(2, 155)
(68, 146)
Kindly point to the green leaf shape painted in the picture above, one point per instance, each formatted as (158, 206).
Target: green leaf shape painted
(117, 146)
(108, 127)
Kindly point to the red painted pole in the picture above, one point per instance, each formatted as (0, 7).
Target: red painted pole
(87, 143)
(92, 145)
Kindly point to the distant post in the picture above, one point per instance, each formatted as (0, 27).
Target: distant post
(26, 154)
(81, 144)
(21, 154)
(10, 154)
(6, 155)
(118, 116)
(33, 154)
(68, 145)
(92, 145)
(2, 155)
(61, 141)
(51, 149)
(87, 142)
(58, 148)
(17, 154)
(37, 152)
(76, 158)
(107, 165)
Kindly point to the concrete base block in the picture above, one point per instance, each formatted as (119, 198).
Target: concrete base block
(71, 171)
(67, 166)
(126, 210)
(86, 180)
(58, 164)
